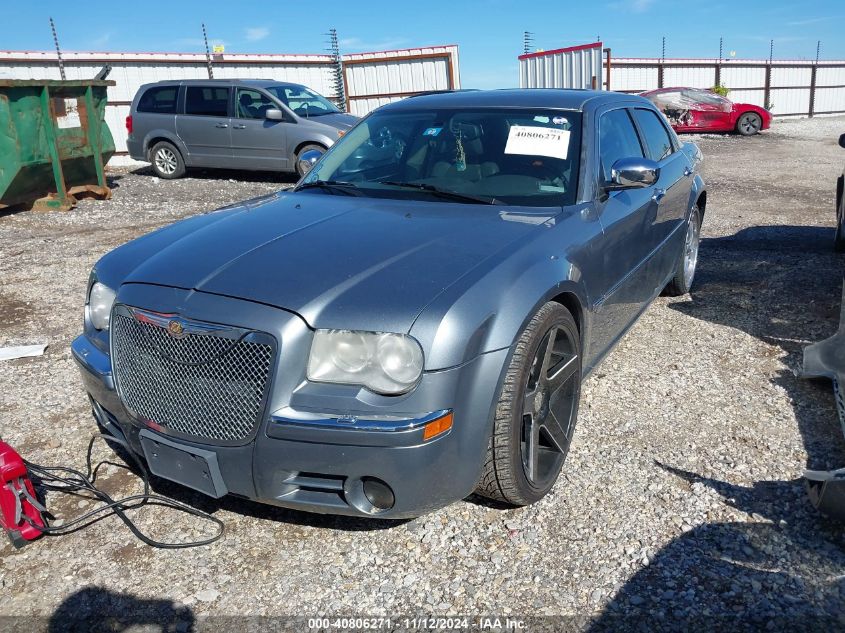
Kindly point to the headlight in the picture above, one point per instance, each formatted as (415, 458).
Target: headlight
(100, 300)
(385, 363)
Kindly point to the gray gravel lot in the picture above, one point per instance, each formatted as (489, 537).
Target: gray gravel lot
(681, 495)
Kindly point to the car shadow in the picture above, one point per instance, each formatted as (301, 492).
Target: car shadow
(241, 175)
(785, 567)
(96, 609)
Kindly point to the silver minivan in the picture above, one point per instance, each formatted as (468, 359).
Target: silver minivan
(232, 124)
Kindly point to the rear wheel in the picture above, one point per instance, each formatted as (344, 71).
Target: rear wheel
(167, 161)
(536, 411)
(749, 124)
(685, 269)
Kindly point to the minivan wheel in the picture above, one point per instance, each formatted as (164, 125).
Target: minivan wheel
(167, 161)
(536, 412)
(302, 150)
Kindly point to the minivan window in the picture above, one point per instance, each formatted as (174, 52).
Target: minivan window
(207, 100)
(252, 104)
(656, 135)
(304, 102)
(617, 139)
(161, 100)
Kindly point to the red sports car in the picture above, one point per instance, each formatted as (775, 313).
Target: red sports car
(697, 110)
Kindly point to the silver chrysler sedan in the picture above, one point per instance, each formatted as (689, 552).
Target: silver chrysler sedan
(413, 321)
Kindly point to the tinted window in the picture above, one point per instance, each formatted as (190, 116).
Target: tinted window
(657, 138)
(161, 100)
(207, 101)
(253, 104)
(617, 139)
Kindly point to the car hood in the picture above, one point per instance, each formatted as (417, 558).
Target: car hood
(338, 261)
(340, 121)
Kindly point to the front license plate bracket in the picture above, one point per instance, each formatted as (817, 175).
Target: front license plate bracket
(193, 467)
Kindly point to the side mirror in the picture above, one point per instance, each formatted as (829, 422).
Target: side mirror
(633, 173)
(842, 141)
(308, 159)
(274, 114)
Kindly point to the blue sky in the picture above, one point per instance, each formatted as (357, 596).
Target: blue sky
(489, 33)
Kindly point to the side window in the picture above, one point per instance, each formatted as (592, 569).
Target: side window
(207, 101)
(252, 104)
(617, 139)
(655, 134)
(161, 100)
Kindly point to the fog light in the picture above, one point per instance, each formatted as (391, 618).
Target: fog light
(378, 493)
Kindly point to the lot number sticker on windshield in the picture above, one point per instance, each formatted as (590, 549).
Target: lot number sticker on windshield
(537, 141)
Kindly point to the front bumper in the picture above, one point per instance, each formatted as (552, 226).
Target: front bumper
(304, 459)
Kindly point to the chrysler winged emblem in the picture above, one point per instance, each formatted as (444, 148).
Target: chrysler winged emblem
(175, 328)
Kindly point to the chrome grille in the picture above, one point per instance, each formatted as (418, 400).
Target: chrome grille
(209, 385)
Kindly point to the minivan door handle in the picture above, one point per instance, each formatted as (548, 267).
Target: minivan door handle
(238, 127)
(222, 125)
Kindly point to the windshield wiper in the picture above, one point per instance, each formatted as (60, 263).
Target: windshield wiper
(346, 188)
(445, 193)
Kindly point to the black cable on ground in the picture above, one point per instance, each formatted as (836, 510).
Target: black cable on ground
(71, 481)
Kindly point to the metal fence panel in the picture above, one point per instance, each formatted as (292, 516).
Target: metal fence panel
(574, 67)
(379, 77)
(689, 76)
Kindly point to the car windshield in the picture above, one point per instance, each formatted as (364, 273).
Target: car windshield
(304, 102)
(705, 96)
(496, 156)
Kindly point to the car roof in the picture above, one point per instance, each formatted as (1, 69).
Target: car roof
(257, 83)
(514, 98)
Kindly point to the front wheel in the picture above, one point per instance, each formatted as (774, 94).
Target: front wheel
(536, 411)
(300, 171)
(749, 124)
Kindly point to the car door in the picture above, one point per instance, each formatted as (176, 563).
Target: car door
(665, 235)
(626, 217)
(712, 112)
(257, 142)
(204, 125)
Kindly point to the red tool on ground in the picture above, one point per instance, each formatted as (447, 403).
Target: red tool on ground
(20, 511)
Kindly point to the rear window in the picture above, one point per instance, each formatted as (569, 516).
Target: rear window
(161, 99)
(207, 101)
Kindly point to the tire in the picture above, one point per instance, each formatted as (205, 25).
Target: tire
(685, 268)
(749, 124)
(301, 151)
(167, 160)
(510, 475)
(839, 238)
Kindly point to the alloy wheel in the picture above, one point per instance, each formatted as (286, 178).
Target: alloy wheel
(166, 161)
(691, 250)
(750, 123)
(549, 405)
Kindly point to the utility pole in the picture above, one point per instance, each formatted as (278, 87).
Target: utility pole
(207, 53)
(58, 50)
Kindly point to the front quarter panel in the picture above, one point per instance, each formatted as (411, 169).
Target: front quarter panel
(487, 310)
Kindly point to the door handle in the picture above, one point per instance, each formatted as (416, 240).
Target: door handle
(222, 125)
(238, 127)
(687, 172)
(658, 195)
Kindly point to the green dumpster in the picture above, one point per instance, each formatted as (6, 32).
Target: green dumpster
(54, 142)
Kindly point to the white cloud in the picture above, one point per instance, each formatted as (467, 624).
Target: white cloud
(812, 21)
(257, 33)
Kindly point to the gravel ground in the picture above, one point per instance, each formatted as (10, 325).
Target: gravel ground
(681, 495)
